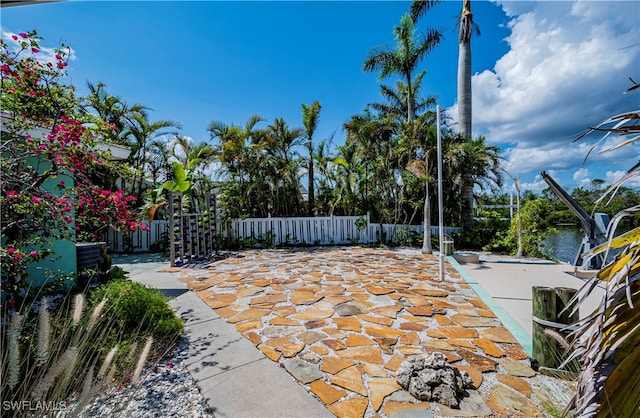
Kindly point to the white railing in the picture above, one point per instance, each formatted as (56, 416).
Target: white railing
(326, 230)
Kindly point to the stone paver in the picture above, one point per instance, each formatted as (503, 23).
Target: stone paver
(341, 321)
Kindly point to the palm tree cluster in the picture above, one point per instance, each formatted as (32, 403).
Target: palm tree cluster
(259, 168)
(385, 167)
(129, 126)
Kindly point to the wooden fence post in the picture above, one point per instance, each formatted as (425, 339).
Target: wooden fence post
(544, 308)
(548, 305)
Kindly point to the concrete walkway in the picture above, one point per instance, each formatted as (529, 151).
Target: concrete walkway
(504, 284)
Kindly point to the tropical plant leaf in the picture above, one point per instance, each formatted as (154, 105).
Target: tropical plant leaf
(179, 173)
(620, 262)
(341, 162)
(620, 241)
(181, 182)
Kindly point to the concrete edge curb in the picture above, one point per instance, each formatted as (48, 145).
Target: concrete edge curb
(507, 320)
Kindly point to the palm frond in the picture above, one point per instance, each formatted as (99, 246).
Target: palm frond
(419, 8)
(608, 340)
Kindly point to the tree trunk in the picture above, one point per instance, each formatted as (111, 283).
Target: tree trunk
(411, 108)
(520, 247)
(311, 190)
(426, 240)
(464, 103)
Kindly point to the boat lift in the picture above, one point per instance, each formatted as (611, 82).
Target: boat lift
(595, 228)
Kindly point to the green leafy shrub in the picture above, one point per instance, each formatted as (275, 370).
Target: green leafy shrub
(137, 307)
(115, 273)
(484, 232)
(534, 232)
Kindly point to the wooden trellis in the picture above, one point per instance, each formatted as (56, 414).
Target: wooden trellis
(194, 234)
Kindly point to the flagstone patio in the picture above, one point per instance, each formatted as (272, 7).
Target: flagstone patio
(342, 320)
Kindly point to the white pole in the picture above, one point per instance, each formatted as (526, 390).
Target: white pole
(440, 196)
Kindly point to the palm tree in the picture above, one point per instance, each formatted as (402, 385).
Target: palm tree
(464, 99)
(278, 143)
(464, 70)
(422, 169)
(409, 50)
(234, 152)
(422, 127)
(608, 340)
(326, 178)
(404, 59)
(140, 133)
(372, 139)
(346, 170)
(195, 159)
(466, 28)
(310, 116)
(397, 98)
(159, 161)
(112, 110)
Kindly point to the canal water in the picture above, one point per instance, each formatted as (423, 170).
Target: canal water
(564, 245)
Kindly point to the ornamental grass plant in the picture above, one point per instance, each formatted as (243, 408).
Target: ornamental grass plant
(55, 361)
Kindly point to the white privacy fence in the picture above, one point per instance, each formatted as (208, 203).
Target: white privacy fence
(327, 230)
(139, 241)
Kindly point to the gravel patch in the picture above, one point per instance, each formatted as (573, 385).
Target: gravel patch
(166, 389)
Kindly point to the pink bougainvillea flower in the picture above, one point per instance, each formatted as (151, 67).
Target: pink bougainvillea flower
(58, 56)
(68, 219)
(23, 35)
(14, 37)
(11, 250)
(34, 254)
(12, 193)
(35, 50)
(36, 200)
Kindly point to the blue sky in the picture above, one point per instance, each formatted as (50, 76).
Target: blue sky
(543, 71)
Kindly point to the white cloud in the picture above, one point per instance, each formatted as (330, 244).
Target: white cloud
(520, 160)
(581, 177)
(566, 70)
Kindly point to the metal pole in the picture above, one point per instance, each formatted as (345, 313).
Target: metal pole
(440, 196)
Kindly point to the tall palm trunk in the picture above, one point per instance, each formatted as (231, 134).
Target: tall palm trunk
(411, 100)
(426, 238)
(310, 116)
(464, 102)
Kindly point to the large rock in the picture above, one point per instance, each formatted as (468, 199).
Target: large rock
(430, 378)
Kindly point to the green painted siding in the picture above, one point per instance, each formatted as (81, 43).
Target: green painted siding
(63, 262)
